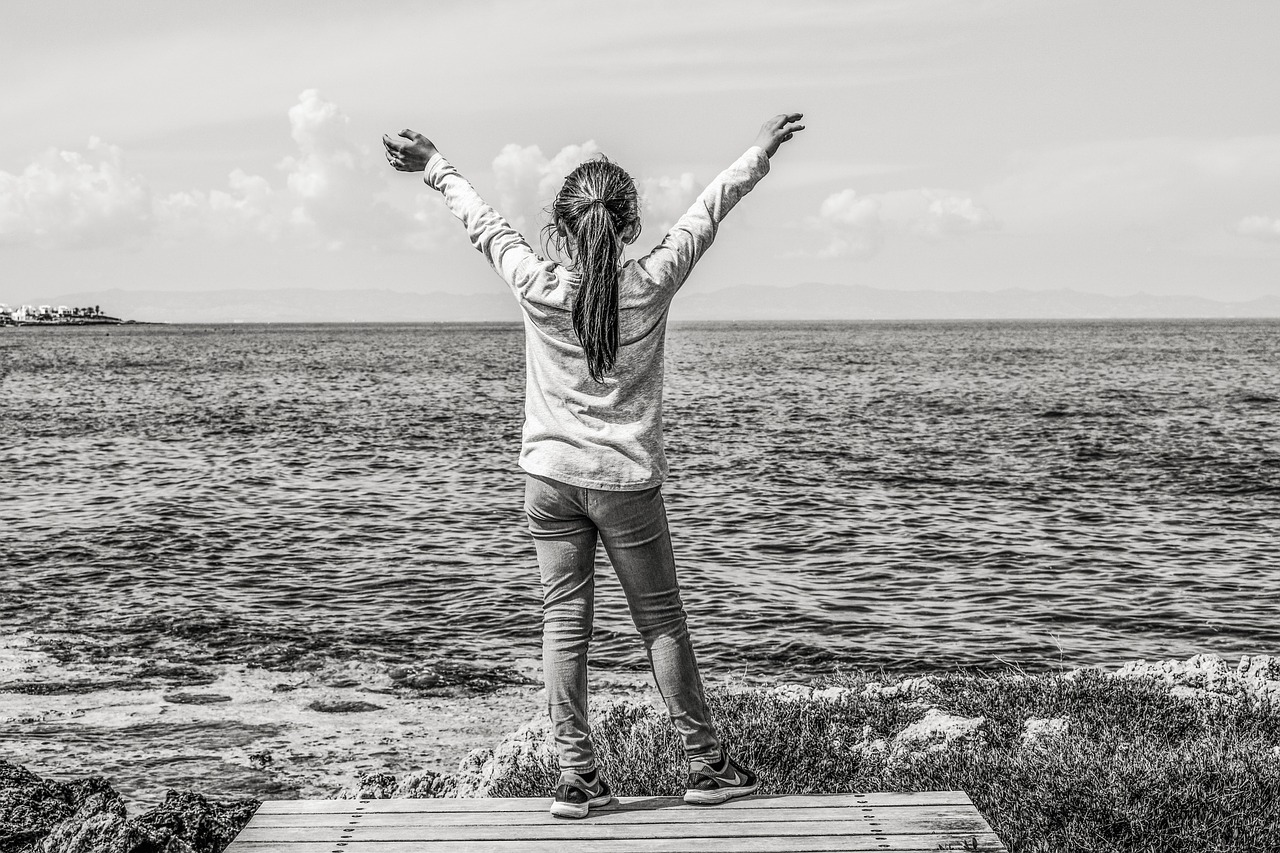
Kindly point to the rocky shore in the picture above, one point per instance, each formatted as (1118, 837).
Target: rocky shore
(88, 816)
(1203, 680)
(887, 732)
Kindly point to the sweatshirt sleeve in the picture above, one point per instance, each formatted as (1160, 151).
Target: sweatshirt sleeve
(503, 246)
(670, 263)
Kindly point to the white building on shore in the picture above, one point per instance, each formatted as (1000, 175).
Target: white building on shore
(47, 314)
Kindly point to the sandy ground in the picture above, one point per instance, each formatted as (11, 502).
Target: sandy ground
(254, 732)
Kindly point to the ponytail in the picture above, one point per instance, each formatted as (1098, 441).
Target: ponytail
(596, 205)
(597, 253)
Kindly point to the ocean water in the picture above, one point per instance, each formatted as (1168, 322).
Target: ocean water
(185, 504)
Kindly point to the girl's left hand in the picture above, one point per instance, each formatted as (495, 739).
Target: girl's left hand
(409, 151)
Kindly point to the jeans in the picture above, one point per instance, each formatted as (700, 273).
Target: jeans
(565, 521)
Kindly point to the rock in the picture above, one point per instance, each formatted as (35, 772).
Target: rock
(204, 825)
(475, 761)
(182, 698)
(185, 674)
(425, 783)
(63, 688)
(103, 832)
(421, 784)
(405, 676)
(31, 807)
(423, 680)
(868, 746)
(1260, 675)
(1190, 694)
(872, 749)
(482, 772)
(261, 760)
(938, 730)
(343, 706)
(791, 692)
(1038, 730)
(1209, 678)
(88, 816)
(371, 786)
(1259, 668)
(920, 686)
(913, 687)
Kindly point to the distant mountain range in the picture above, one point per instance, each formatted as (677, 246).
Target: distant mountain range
(799, 302)
(858, 302)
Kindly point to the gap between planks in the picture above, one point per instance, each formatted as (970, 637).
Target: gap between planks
(540, 804)
(621, 813)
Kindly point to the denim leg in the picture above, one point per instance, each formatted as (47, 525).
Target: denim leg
(633, 526)
(565, 539)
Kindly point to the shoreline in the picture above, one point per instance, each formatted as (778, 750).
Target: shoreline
(106, 321)
(303, 735)
(253, 730)
(1192, 723)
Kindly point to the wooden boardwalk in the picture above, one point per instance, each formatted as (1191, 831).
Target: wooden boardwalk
(927, 821)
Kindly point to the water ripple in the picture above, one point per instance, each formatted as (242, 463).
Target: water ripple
(884, 495)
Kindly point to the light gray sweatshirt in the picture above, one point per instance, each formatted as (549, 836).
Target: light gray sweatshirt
(600, 435)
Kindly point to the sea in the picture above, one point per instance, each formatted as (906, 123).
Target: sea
(259, 559)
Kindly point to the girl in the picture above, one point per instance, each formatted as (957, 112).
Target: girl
(592, 448)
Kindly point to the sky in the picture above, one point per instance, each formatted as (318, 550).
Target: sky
(1106, 147)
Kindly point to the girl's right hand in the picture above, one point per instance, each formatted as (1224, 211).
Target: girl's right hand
(408, 151)
(778, 130)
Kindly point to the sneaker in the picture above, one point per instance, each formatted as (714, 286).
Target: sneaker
(711, 784)
(579, 792)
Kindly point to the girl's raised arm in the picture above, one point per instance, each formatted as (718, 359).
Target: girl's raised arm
(503, 247)
(673, 259)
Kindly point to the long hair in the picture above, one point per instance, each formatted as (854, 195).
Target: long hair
(595, 214)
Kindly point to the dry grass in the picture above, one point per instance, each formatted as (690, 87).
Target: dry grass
(1137, 769)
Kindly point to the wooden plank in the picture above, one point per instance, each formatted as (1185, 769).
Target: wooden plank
(986, 842)
(889, 816)
(900, 822)
(571, 829)
(541, 804)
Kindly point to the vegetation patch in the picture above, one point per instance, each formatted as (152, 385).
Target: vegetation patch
(1152, 758)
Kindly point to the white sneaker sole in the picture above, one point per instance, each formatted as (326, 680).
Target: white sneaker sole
(721, 795)
(577, 810)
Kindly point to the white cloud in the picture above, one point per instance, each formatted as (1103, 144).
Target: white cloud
(331, 192)
(68, 198)
(334, 185)
(950, 214)
(248, 206)
(664, 200)
(527, 180)
(858, 225)
(1261, 227)
(331, 195)
(853, 223)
